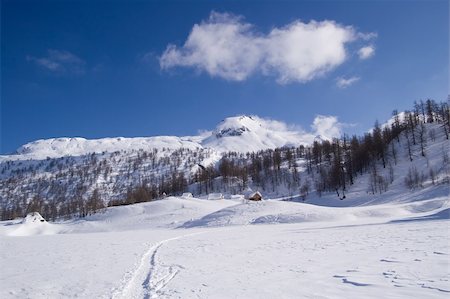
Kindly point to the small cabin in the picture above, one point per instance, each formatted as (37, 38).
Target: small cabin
(215, 196)
(256, 196)
(187, 195)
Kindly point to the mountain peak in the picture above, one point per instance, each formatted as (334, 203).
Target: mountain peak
(245, 133)
(237, 125)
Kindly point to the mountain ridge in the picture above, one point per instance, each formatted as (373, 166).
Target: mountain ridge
(241, 133)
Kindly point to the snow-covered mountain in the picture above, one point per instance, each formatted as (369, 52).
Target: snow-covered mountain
(239, 134)
(252, 133)
(75, 176)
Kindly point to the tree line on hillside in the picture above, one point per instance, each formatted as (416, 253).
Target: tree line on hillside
(64, 186)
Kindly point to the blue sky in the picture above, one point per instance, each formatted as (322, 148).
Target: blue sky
(114, 68)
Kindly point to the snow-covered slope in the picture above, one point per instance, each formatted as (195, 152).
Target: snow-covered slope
(179, 212)
(194, 248)
(60, 147)
(269, 212)
(170, 212)
(239, 134)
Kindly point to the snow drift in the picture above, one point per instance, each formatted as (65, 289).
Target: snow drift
(33, 224)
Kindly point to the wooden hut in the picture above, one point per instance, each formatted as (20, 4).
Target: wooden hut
(256, 196)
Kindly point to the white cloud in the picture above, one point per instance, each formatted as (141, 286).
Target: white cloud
(60, 61)
(226, 46)
(327, 127)
(346, 82)
(366, 52)
(300, 52)
(367, 36)
(223, 46)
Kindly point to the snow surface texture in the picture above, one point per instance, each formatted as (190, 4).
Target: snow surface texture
(194, 248)
(239, 133)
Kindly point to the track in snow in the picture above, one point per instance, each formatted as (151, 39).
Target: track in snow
(150, 276)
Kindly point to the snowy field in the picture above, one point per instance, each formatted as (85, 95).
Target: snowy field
(192, 248)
